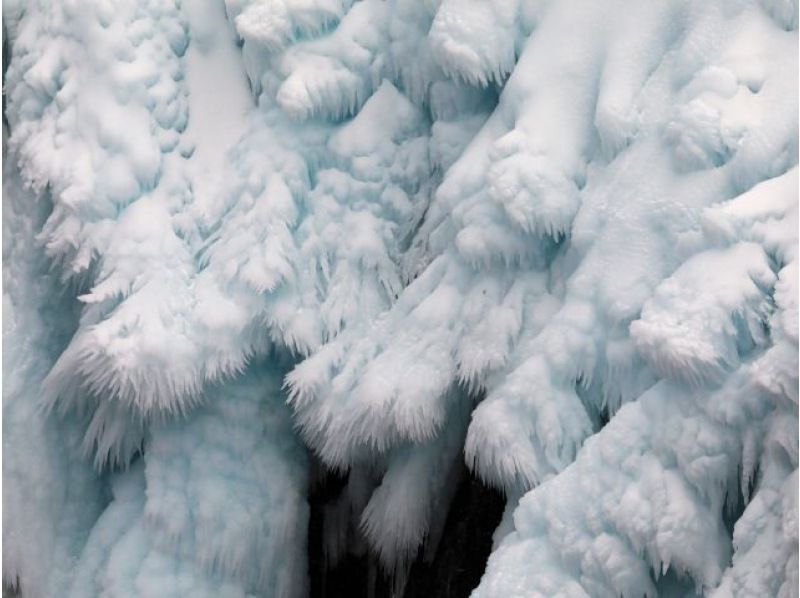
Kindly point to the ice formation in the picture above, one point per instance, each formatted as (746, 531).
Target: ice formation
(553, 241)
(50, 495)
(574, 264)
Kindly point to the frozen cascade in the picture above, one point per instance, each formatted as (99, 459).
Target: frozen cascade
(300, 290)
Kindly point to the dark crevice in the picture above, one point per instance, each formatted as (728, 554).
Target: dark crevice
(356, 575)
(453, 571)
(466, 542)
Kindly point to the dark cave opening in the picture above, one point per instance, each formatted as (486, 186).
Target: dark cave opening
(462, 553)
(453, 571)
(351, 577)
